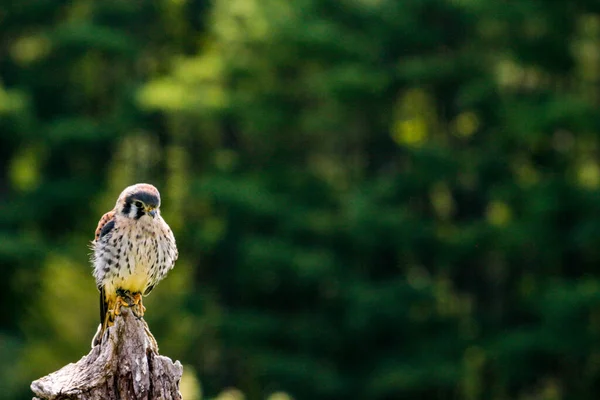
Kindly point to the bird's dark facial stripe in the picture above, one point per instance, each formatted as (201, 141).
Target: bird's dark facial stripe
(149, 199)
(126, 208)
(140, 213)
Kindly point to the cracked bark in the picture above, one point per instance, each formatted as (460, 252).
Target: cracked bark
(125, 366)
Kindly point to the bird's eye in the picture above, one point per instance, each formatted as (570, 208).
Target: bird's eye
(138, 204)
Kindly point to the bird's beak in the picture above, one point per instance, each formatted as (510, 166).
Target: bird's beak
(152, 213)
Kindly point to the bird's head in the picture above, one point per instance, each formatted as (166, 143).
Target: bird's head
(139, 200)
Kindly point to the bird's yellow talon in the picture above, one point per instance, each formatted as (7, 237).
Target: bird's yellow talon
(139, 308)
(120, 301)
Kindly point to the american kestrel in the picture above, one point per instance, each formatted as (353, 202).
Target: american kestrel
(134, 248)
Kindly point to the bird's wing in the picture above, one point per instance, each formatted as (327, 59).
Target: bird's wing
(105, 225)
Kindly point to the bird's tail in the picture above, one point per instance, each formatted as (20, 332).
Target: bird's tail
(103, 310)
(103, 306)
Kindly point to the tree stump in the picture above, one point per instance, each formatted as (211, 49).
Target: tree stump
(126, 365)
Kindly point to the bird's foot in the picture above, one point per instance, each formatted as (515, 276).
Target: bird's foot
(123, 299)
(131, 300)
(138, 307)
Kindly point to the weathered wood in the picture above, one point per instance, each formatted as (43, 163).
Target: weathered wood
(125, 366)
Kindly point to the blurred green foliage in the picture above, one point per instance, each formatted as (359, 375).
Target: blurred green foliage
(373, 199)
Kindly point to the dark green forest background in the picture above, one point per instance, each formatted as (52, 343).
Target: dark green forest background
(373, 199)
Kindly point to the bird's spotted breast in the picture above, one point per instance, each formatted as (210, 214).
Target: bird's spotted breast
(134, 257)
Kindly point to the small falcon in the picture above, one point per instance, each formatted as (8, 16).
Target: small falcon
(134, 249)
